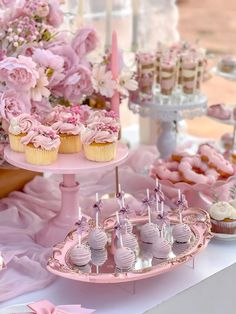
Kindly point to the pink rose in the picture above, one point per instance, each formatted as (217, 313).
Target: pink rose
(85, 41)
(78, 84)
(19, 73)
(55, 17)
(69, 56)
(13, 103)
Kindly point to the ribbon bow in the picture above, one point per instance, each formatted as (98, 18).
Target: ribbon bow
(182, 202)
(159, 193)
(119, 197)
(118, 229)
(46, 307)
(124, 210)
(82, 225)
(147, 202)
(162, 220)
(97, 206)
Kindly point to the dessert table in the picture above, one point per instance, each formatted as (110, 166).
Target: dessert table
(146, 295)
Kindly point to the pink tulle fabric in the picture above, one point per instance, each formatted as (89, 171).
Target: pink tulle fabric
(23, 214)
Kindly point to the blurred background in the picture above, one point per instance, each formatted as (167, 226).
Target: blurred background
(210, 23)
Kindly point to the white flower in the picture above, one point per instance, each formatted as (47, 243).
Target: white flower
(40, 90)
(102, 81)
(126, 83)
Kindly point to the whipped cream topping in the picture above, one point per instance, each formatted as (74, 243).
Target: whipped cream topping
(222, 210)
(42, 137)
(22, 124)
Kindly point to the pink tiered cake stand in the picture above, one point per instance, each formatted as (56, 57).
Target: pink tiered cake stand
(68, 165)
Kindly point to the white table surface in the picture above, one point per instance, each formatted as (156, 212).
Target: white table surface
(118, 298)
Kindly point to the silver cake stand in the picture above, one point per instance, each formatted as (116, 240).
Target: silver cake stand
(169, 113)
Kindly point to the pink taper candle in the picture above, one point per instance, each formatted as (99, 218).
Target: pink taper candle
(115, 100)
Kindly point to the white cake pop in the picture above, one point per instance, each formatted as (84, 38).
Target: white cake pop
(97, 239)
(80, 255)
(129, 240)
(124, 258)
(98, 257)
(181, 233)
(161, 248)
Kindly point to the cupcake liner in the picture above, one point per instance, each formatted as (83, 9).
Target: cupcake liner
(70, 144)
(15, 142)
(100, 152)
(39, 156)
(228, 227)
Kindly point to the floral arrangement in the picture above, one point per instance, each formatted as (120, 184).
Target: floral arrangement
(42, 66)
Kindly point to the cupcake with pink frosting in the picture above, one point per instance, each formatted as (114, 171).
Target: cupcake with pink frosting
(18, 128)
(57, 113)
(41, 145)
(69, 130)
(100, 140)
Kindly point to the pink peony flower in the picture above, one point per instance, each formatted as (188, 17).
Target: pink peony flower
(69, 56)
(19, 73)
(55, 17)
(78, 84)
(13, 103)
(85, 41)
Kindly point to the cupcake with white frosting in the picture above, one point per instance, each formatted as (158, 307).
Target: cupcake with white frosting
(223, 218)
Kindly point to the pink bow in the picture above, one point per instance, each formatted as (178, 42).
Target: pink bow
(46, 307)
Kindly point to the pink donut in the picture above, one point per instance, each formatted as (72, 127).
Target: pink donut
(219, 111)
(216, 160)
(189, 167)
(167, 170)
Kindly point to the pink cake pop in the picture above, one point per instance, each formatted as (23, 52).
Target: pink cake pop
(97, 238)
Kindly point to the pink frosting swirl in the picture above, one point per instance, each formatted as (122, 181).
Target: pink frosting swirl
(72, 126)
(42, 137)
(103, 116)
(22, 124)
(99, 133)
(58, 113)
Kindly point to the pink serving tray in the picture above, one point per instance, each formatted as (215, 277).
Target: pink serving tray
(66, 163)
(197, 219)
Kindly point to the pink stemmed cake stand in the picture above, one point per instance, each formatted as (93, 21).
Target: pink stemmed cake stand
(68, 165)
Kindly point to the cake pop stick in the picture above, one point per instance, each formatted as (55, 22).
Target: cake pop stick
(162, 209)
(2, 264)
(96, 215)
(148, 207)
(80, 231)
(120, 235)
